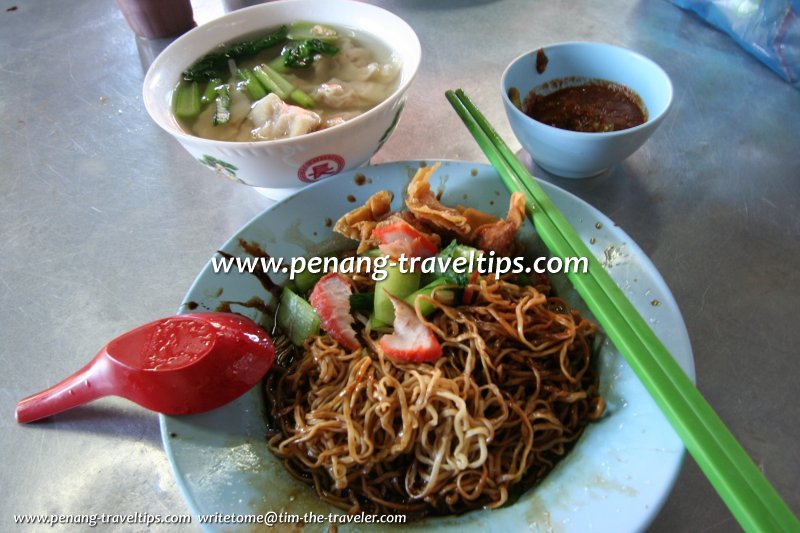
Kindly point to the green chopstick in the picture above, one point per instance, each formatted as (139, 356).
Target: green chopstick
(742, 486)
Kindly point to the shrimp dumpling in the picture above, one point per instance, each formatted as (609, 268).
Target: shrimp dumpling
(275, 119)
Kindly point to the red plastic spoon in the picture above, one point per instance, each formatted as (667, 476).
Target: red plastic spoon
(178, 365)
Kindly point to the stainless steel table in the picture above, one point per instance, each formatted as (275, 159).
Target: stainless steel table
(105, 221)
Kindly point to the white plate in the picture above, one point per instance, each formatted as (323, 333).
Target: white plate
(615, 479)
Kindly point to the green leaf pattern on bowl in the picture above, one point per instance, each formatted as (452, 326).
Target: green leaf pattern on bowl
(223, 167)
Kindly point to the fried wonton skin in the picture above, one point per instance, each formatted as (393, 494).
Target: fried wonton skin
(500, 236)
(421, 201)
(427, 214)
(468, 225)
(359, 223)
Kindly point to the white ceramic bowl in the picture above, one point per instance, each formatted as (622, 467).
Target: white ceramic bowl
(574, 154)
(280, 167)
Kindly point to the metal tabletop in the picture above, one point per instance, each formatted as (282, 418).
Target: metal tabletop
(105, 221)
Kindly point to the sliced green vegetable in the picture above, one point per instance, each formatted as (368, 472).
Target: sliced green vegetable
(296, 318)
(215, 64)
(269, 83)
(301, 54)
(210, 94)
(462, 250)
(254, 46)
(362, 301)
(295, 94)
(305, 280)
(446, 296)
(372, 252)
(374, 323)
(186, 100)
(255, 90)
(278, 66)
(284, 84)
(397, 283)
(302, 99)
(223, 102)
(301, 30)
(454, 251)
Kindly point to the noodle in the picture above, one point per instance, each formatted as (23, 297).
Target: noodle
(513, 391)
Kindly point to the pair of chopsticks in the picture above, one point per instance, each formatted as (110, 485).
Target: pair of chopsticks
(753, 501)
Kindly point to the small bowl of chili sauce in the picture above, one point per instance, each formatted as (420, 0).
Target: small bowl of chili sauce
(579, 108)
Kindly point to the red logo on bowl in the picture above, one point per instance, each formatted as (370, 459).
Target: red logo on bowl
(320, 167)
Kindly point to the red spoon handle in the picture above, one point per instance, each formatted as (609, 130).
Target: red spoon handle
(75, 390)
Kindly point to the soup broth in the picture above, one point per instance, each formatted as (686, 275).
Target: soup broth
(358, 76)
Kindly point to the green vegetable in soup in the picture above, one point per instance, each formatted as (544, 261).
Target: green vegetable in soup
(285, 87)
(301, 54)
(268, 83)
(223, 102)
(255, 90)
(215, 64)
(187, 100)
(210, 94)
(278, 66)
(303, 30)
(285, 62)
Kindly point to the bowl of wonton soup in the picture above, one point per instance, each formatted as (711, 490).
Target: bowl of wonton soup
(278, 146)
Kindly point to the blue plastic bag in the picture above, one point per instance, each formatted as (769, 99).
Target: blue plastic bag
(768, 29)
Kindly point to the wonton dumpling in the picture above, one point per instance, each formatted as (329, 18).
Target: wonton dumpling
(337, 118)
(340, 94)
(354, 63)
(236, 126)
(275, 119)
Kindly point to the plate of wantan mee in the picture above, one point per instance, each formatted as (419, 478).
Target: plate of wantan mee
(465, 391)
